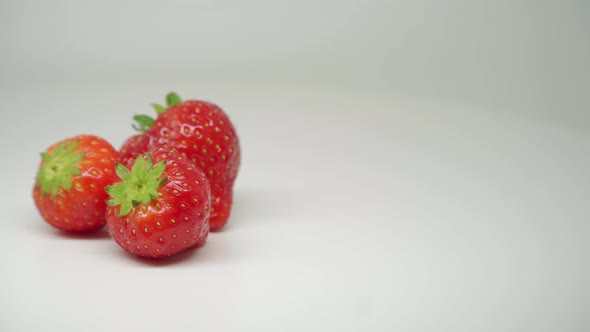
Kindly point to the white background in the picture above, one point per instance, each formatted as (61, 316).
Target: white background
(414, 166)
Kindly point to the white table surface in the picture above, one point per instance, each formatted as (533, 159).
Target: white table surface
(354, 211)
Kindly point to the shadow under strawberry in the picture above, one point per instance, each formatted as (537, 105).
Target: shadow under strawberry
(92, 235)
(184, 257)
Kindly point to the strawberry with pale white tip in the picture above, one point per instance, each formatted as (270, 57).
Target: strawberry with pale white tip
(160, 206)
(69, 190)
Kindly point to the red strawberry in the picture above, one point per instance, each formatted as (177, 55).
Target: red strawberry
(138, 144)
(69, 191)
(203, 132)
(133, 147)
(161, 205)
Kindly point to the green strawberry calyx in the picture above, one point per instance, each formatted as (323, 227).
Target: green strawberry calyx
(58, 168)
(139, 185)
(145, 122)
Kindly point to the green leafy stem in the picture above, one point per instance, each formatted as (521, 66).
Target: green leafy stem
(145, 122)
(139, 185)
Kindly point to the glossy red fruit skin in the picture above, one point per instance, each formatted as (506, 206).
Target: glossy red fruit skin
(132, 147)
(205, 135)
(175, 221)
(82, 208)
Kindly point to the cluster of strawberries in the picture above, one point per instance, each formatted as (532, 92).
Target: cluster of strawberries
(159, 194)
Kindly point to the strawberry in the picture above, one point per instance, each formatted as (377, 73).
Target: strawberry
(205, 135)
(133, 147)
(160, 206)
(138, 144)
(69, 189)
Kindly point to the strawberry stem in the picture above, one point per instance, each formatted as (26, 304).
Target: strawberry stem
(158, 108)
(172, 99)
(139, 185)
(58, 168)
(145, 122)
